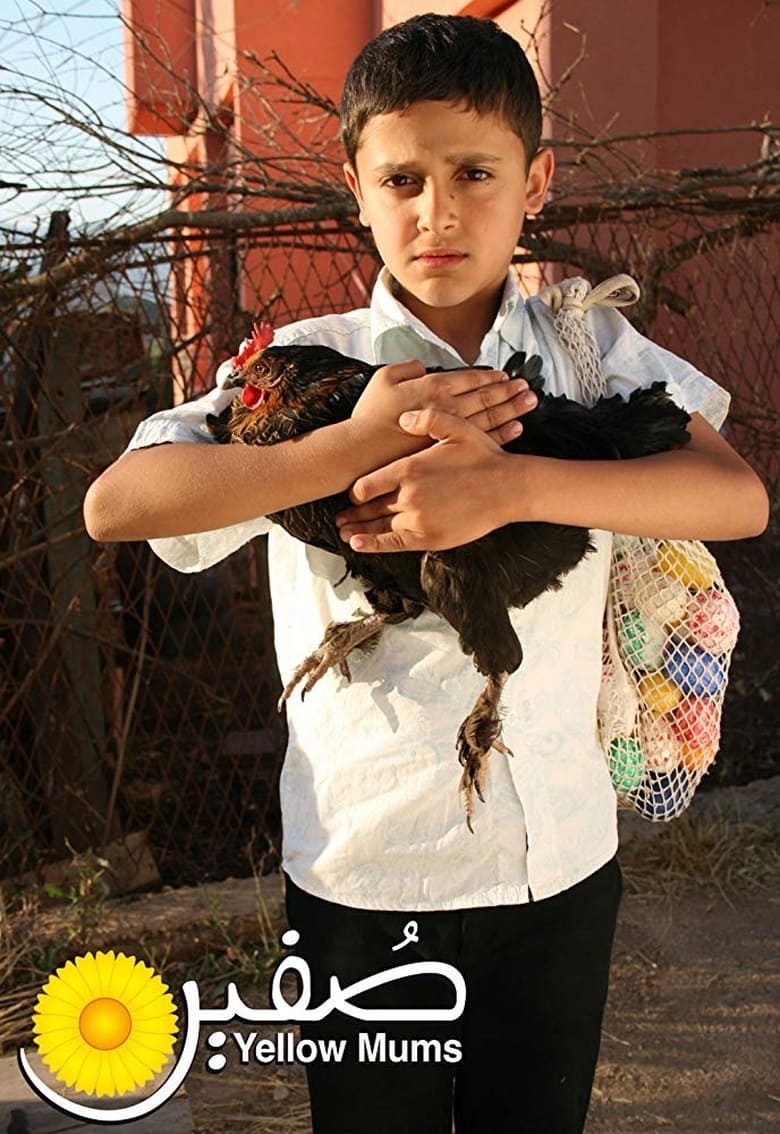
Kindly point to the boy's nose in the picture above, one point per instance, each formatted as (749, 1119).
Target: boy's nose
(437, 209)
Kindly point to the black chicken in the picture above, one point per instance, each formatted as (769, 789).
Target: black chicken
(295, 389)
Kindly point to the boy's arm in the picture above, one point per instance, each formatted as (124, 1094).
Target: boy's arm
(465, 486)
(181, 489)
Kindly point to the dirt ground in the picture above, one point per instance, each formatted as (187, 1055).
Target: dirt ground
(690, 1034)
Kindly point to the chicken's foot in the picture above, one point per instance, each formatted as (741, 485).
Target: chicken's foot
(340, 639)
(479, 733)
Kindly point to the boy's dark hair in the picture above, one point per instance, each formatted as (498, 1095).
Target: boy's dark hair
(442, 58)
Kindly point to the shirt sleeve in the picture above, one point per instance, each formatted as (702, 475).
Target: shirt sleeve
(187, 423)
(630, 360)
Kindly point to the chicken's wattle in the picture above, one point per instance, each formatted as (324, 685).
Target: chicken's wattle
(251, 396)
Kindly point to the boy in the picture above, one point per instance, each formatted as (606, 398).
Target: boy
(441, 121)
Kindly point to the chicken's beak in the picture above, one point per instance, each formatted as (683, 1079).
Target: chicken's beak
(234, 379)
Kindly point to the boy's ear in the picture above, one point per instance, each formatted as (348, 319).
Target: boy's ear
(538, 181)
(351, 177)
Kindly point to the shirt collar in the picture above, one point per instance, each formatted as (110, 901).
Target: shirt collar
(388, 315)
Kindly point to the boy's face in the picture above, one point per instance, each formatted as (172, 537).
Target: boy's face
(445, 191)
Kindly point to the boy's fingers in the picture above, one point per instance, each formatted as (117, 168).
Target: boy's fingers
(376, 509)
(448, 384)
(397, 372)
(498, 393)
(489, 407)
(365, 528)
(383, 542)
(453, 383)
(438, 424)
(506, 433)
(382, 482)
(489, 398)
(496, 416)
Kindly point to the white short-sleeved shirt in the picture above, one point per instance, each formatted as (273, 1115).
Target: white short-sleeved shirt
(371, 811)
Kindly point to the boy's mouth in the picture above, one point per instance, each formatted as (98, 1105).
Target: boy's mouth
(440, 258)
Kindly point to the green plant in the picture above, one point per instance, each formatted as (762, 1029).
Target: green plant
(84, 892)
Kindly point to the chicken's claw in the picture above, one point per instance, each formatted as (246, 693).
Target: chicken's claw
(478, 734)
(338, 642)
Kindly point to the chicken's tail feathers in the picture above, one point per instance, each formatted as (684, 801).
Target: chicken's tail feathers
(650, 422)
(611, 429)
(521, 365)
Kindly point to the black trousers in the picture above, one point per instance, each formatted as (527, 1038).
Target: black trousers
(536, 978)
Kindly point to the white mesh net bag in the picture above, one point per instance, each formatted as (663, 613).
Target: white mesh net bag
(670, 626)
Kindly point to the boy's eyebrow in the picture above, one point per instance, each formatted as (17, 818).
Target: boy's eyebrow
(451, 159)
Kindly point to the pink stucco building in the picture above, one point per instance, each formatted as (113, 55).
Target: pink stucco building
(645, 65)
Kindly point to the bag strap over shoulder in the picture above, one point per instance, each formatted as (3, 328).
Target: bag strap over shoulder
(568, 301)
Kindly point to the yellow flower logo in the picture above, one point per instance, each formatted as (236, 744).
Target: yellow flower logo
(105, 1023)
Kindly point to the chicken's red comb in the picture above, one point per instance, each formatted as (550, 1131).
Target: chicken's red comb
(262, 337)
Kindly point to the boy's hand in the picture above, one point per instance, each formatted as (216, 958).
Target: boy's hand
(486, 398)
(443, 497)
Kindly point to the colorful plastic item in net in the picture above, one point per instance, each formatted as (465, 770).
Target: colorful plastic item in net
(670, 631)
(670, 626)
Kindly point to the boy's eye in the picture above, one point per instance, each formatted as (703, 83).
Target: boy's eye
(397, 180)
(477, 174)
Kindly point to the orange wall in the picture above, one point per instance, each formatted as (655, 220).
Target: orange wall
(663, 64)
(671, 65)
(196, 67)
(720, 68)
(160, 65)
(649, 64)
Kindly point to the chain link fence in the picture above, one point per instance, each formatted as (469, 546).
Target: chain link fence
(138, 706)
